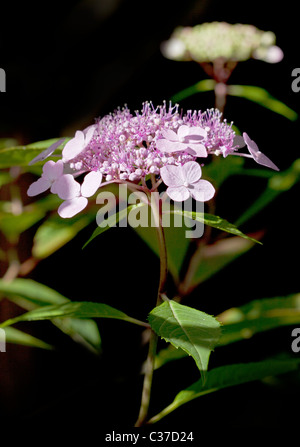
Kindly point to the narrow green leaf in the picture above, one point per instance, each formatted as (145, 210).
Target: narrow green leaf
(228, 376)
(30, 294)
(206, 85)
(258, 316)
(215, 222)
(189, 329)
(262, 97)
(277, 184)
(13, 335)
(81, 309)
(22, 155)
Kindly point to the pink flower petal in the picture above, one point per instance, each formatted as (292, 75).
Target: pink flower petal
(41, 185)
(164, 145)
(91, 183)
(89, 132)
(53, 170)
(258, 156)
(239, 141)
(172, 175)
(183, 131)
(74, 146)
(198, 150)
(169, 134)
(191, 171)
(47, 152)
(202, 190)
(71, 207)
(197, 132)
(67, 188)
(178, 193)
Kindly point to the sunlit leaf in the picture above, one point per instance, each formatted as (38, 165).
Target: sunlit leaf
(80, 309)
(206, 85)
(262, 97)
(258, 316)
(22, 155)
(13, 335)
(228, 376)
(277, 184)
(215, 222)
(30, 294)
(187, 328)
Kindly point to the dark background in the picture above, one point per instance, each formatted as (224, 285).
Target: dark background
(69, 62)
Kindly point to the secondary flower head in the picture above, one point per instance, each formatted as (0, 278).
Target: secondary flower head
(207, 42)
(129, 147)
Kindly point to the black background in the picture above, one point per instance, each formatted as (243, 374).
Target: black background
(69, 62)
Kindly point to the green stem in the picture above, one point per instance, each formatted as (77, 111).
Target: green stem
(149, 367)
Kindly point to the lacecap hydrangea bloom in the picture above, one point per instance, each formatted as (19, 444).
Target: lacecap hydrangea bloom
(207, 42)
(161, 142)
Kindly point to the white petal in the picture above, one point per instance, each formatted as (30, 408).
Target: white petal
(41, 185)
(197, 131)
(258, 156)
(47, 152)
(71, 207)
(91, 183)
(164, 145)
(183, 131)
(67, 188)
(202, 190)
(74, 146)
(53, 170)
(198, 150)
(191, 171)
(169, 134)
(172, 175)
(178, 193)
(89, 132)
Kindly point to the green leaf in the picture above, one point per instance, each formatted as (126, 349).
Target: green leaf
(112, 220)
(55, 232)
(15, 224)
(22, 155)
(228, 376)
(277, 184)
(13, 335)
(205, 85)
(258, 316)
(262, 97)
(80, 309)
(215, 222)
(240, 323)
(189, 329)
(215, 257)
(30, 295)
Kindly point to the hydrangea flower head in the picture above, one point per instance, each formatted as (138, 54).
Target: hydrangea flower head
(162, 142)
